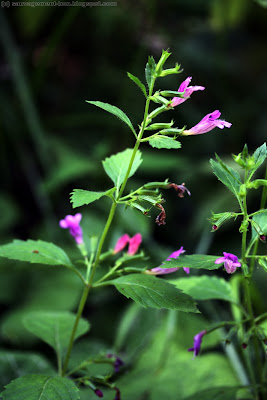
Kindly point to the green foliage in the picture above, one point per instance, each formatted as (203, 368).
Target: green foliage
(205, 287)
(260, 226)
(150, 71)
(198, 261)
(164, 142)
(138, 83)
(164, 368)
(115, 111)
(116, 166)
(40, 387)
(262, 3)
(220, 393)
(153, 292)
(227, 175)
(259, 157)
(54, 328)
(80, 197)
(13, 364)
(35, 251)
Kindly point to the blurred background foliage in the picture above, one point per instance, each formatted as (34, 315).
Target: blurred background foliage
(55, 58)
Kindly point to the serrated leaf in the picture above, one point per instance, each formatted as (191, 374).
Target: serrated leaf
(35, 251)
(116, 166)
(54, 328)
(227, 175)
(41, 387)
(205, 287)
(164, 142)
(138, 83)
(261, 221)
(150, 71)
(80, 197)
(150, 291)
(259, 157)
(14, 364)
(115, 111)
(197, 261)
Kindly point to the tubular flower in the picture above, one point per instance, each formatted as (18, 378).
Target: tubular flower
(72, 222)
(164, 271)
(188, 90)
(134, 243)
(209, 122)
(121, 243)
(230, 262)
(197, 343)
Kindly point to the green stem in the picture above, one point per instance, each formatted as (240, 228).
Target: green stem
(248, 301)
(104, 234)
(75, 326)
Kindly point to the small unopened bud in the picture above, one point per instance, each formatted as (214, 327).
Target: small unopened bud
(214, 227)
(263, 238)
(244, 345)
(99, 393)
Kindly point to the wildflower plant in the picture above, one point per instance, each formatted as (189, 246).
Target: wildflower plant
(60, 330)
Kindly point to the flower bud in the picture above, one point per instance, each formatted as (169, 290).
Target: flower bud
(165, 55)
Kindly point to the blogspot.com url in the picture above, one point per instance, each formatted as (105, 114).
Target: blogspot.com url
(58, 4)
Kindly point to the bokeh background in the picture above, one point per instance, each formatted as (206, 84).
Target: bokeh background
(52, 141)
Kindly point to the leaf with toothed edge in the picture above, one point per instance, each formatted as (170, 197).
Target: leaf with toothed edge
(149, 291)
(41, 387)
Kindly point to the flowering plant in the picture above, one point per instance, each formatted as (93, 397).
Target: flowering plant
(97, 373)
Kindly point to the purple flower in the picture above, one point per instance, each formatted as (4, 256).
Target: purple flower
(197, 343)
(72, 222)
(164, 271)
(188, 90)
(230, 262)
(209, 122)
(98, 392)
(118, 363)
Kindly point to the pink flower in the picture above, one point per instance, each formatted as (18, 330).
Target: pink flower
(164, 271)
(209, 122)
(121, 243)
(188, 90)
(72, 222)
(134, 243)
(197, 343)
(230, 262)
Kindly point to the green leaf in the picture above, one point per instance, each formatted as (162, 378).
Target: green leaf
(205, 287)
(259, 157)
(80, 197)
(197, 261)
(116, 166)
(138, 83)
(261, 222)
(115, 111)
(150, 291)
(54, 328)
(35, 251)
(218, 393)
(14, 364)
(40, 387)
(227, 175)
(150, 71)
(164, 142)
